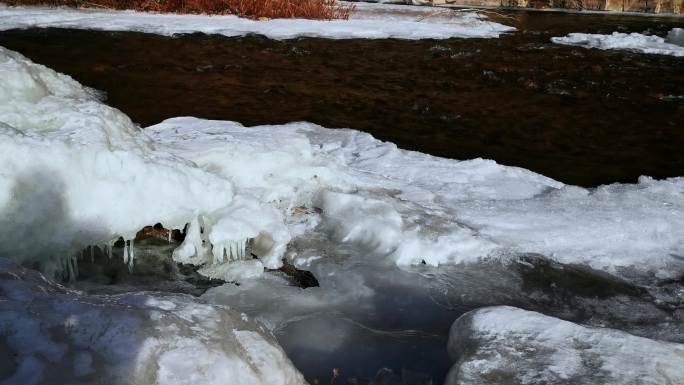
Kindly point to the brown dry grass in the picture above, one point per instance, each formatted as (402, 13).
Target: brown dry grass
(272, 9)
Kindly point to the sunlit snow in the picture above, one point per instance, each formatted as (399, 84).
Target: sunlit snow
(368, 22)
(637, 42)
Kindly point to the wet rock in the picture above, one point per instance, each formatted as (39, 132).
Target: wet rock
(201, 283)
(301, 278)
(159, 232)
(582, 294)
(507, 345)
(563, 280)
(153, 269)
(571, 292)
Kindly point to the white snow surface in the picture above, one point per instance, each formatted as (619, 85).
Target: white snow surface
(512, 345)
(51, 335)
(638, 42)
(80, 173)
(370, 21)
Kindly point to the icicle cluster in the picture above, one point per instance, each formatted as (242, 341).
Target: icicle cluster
(69, 264)
(197, 249)
(230, 251)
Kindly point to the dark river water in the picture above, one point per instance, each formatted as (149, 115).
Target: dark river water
(580, 116)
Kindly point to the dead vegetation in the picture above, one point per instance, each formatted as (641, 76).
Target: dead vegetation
(255, 9)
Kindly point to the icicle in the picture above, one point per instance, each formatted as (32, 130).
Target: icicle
(125, 252)
(233, 251)
(131, 254)
(69, 268)
(110, 249)
(169, 234)
(219, 252)
(65, 268)
(74, 261)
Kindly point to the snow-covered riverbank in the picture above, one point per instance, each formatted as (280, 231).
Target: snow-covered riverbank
(370, 21)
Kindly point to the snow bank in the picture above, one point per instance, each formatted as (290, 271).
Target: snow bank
(50, 335)
(80, 173)
(504, 345)
(633, 42)
(368, 22)
(617, 228)
(370, 193)
(414, 208)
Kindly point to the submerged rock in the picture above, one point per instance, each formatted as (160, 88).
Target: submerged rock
(59, 336)
(298, 277)
(566, 280)
(507, 345)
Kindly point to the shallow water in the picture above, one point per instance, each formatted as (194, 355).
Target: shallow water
(369, 318)
(580, 116)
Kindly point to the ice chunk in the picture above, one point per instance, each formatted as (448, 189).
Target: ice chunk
(650, 44)
(58, 336)
(504, 345)
(373, 224)
(193, 250)
(234, 271)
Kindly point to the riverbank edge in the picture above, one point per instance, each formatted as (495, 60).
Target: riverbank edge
(659, 8)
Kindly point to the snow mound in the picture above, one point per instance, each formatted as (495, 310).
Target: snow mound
(504, 345)
(79, 173)
(633, 42)
(368, 22)
(51, 335)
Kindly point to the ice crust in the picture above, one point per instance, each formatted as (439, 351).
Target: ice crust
(370, 21)
(414, 208)
(638, 42)
(504, 345)
(52, 335)
(79, 173)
